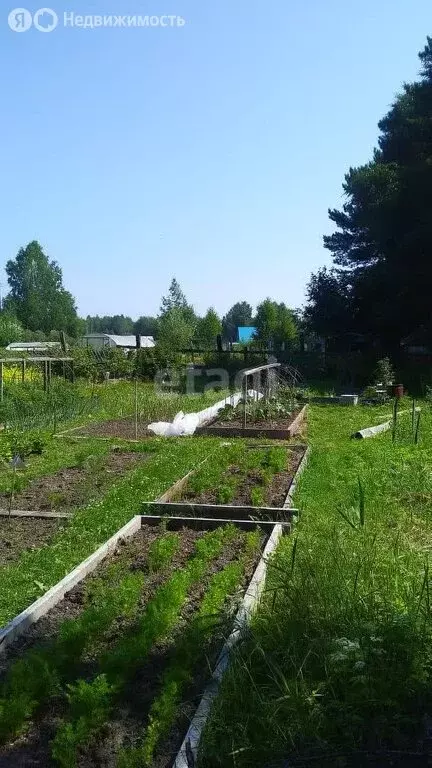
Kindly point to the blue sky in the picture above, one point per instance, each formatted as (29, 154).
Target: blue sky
(210, 152)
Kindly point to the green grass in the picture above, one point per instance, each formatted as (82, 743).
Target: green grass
(117, 400)
(32, 415)
(340, 659)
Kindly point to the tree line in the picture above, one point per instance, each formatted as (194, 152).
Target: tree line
(38, 307)
(177, 325)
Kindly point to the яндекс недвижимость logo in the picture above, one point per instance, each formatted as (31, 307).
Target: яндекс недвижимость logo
(21, 20)
(46, 19)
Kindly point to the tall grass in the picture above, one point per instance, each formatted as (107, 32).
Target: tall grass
(339, 663)
(27, 406)
(118, 400)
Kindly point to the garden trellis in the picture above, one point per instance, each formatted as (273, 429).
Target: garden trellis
(46, 363)
(264, 382)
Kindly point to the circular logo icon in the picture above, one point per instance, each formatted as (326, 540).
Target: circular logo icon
(20, 20)
(45, 19)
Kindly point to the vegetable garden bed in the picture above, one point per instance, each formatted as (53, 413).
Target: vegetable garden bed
(59, 493)
(110, 676)
(113, 428)
(273, 427)
(72, 487)
(244, 483)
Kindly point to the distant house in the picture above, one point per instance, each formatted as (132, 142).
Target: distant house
(246, 333)
(32, 346)
(100, 341)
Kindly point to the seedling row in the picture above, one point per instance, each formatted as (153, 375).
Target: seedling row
(112, 674)
(241, 476)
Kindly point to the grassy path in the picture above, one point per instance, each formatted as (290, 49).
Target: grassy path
(339, 667)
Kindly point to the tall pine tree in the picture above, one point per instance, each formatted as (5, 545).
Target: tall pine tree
(383, 242)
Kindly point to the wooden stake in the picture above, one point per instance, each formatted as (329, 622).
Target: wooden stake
(136, 409)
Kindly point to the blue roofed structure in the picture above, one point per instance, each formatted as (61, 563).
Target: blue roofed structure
(246, 333)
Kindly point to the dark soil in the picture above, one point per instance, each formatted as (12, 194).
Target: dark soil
(127, 726)
(274, 494)
(121, 428)
(74, 487)
(18, 534)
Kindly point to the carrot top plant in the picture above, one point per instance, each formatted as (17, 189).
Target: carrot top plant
(92, 701)
(38, 675)
(238, 461)
(162, 551)
(189, 653)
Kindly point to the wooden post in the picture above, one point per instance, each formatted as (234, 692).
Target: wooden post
(245, 390)
(45, 376)
(49, 374)
(136, 408)
(23, 370)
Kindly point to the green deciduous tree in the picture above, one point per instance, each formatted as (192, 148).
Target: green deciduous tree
(37, 295)
(117, 324)
(240, 314)
(175, 298)
(10, 329)
(146, 326)
(208, 328)
(176, 322)
(175, 332)
(275, 324)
